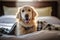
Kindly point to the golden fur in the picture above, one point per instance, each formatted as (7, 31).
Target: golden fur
(20, 21)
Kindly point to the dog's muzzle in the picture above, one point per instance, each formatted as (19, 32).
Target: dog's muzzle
(27, 18)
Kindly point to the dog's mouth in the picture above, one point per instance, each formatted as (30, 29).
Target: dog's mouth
(27, 20)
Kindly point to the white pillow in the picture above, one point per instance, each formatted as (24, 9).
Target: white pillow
(46, 11)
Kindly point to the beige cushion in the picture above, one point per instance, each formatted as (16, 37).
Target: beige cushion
(46, 11)
(10, 10)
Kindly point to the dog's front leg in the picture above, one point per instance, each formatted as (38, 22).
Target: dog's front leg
(35, 27)
(18, 29)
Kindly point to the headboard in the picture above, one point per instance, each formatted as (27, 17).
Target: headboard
(37, 4)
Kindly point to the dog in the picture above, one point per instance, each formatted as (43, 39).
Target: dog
(26, 20)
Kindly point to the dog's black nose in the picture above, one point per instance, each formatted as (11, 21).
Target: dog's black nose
(26, 15)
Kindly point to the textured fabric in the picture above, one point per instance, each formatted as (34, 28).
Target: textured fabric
(40, 35)
(43, 25)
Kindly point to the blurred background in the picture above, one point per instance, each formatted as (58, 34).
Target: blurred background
(43, 7)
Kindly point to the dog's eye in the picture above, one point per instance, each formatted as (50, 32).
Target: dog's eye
(22, 10)
(29, 10)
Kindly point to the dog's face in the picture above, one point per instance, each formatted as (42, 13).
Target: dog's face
(26, 14)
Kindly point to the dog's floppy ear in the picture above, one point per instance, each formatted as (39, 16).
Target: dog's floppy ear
(34, 13)
(18, 14)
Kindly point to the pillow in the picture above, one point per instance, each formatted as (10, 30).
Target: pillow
(10, 10)
(46, 11)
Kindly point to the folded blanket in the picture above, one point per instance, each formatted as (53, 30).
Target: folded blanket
(43, 25)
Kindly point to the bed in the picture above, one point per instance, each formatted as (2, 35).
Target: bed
(50, 16)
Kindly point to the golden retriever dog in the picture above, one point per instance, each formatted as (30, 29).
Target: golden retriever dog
(26, 20)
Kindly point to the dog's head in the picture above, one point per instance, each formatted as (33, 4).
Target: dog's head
(26, 13)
